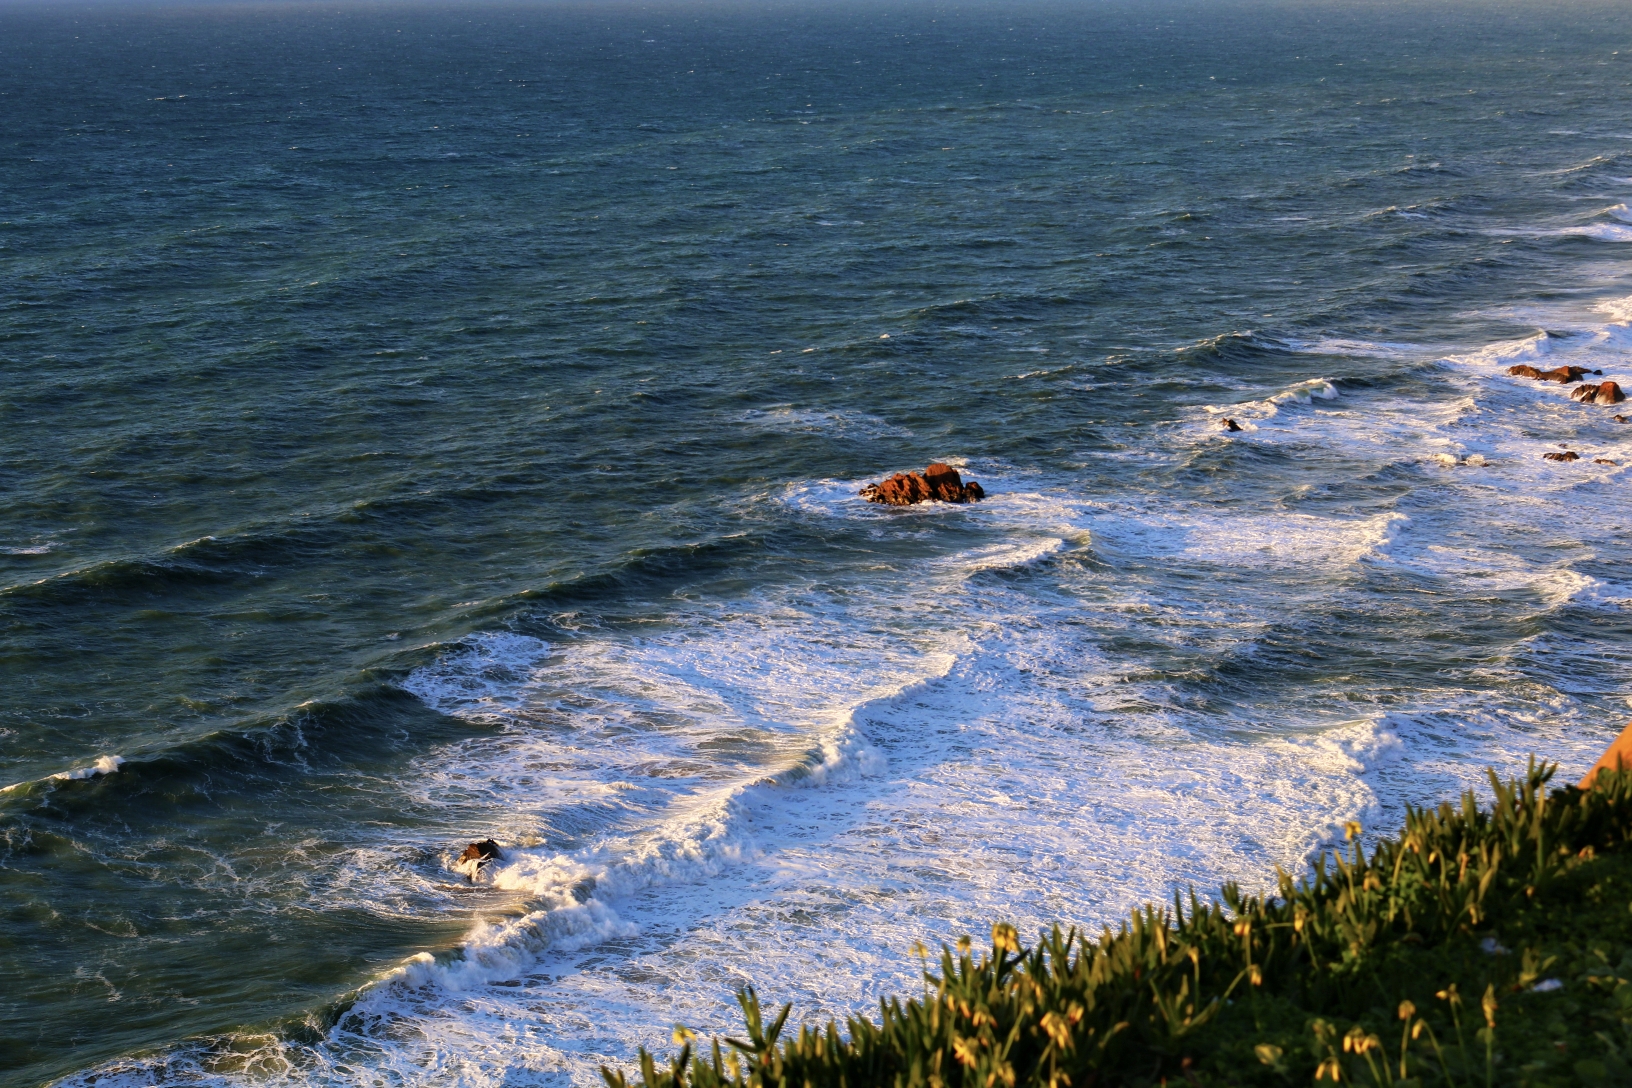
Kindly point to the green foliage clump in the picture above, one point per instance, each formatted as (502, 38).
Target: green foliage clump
(1477, 948)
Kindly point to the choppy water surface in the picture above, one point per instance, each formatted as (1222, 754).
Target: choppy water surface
(422, 423)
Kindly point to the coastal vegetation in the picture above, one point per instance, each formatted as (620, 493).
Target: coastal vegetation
(1481, 946)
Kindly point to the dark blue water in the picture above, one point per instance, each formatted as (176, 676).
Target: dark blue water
(423, 422)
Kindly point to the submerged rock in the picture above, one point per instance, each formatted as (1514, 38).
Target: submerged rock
(478, 854)
(1523, 370)
(938, 483)
(1230, 425)
(1567, 455)
(1605, 461)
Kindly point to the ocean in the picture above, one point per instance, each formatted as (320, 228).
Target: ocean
(423, 422)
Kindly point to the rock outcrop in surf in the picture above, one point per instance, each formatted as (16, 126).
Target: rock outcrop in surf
(1602, 393)
(1561, 374)
(478, 854)
(937, 483)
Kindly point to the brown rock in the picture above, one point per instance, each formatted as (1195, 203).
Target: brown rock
(945, 485)
(938, 482)
(1567, 455)
(1565, 374)
(1605, 461)
(482, 852)
(1623, 419)
(1230, 425)
(1601, 393)
(902, 489)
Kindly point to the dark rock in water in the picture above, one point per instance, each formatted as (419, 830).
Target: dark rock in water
(902, 489)
(482, 852)
(1605, 461)
(1567, 455)
(1602, 393)
(1565, 374)
(1623, 419)
(1230, 425)
(938, 482)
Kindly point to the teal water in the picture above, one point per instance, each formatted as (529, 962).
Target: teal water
(426, 422)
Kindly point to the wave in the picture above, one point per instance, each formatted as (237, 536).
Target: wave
(574, 895)
(1618, 309)
(1366, 349)
(270, 750)
(1004, 556)
(1230, 346)
(1601, 232)
(1531, 349)
(1248, 414)
(101, 765)
(789, 418)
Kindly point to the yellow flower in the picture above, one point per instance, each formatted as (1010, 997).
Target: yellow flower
(1058, 1029)
(1358, 1041)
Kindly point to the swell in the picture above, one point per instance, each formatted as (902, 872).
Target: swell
(261, 552)
(368, 731)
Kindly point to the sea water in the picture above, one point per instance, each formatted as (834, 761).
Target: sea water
(427, 422)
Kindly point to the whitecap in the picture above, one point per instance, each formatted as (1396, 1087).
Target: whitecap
(103, 765)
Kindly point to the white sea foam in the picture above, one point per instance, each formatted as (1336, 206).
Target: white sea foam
(1249, 413)
(1618, 309)
(1361, 348)
(1533, 350)
(103, 765)
(1005, 556)
(1602, 232)
(788, 417)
